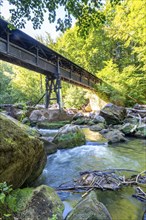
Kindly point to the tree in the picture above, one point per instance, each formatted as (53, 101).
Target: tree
(87, 12)
(7, 92)
(5, 88)
(29, 83)
(112, 53)
(75, 97)
(128, 25)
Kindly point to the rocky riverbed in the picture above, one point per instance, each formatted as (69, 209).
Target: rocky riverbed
(23, 156)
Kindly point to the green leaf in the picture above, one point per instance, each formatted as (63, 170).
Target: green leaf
(2, 198)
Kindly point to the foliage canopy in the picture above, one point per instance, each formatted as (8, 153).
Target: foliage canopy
(113, 50)
(87, 12)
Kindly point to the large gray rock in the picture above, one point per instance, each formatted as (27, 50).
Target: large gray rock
(69, 136)
(113, 114)
(39, 115)
(41, 203)
(49, 115)
(22, 157)
(114, 136)
(50, 148)
(89, 208)
(98, 119)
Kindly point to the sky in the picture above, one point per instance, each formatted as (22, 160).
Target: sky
(46, 27)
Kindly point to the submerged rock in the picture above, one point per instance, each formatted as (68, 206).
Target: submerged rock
(22, 157)
(41, 203)
(69, 136)
(89, 208)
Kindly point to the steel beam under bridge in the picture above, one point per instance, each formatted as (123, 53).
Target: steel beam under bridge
(19, 48)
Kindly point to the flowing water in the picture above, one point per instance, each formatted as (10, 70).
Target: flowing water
(65, 165)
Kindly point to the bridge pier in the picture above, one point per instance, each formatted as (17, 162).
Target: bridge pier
(54, 85)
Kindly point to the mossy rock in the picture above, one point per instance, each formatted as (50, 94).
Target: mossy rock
(83, 121)
(52, 125)
(35, 204)
(22, 157)
(69, 136)
(128, 128)
(89, 208)
(141, 131)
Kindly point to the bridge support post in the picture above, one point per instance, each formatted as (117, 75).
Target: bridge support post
(47, 93)
(58, 85)
(54, 84)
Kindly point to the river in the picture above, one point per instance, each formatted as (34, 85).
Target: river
(65, 165)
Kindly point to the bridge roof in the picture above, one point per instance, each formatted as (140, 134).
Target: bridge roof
(28, 43)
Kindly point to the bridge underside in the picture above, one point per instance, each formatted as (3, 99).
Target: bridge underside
(18, 48)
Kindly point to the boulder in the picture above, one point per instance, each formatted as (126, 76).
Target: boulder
(49, 115)
(97, 127)
(22, 157)
(113, 114)
(114, 136)
(89, 208)
(69, 136)
(39, 115)
(98, 119)
(41, 203)
(28, 130)
(59, 115)
(50, 148)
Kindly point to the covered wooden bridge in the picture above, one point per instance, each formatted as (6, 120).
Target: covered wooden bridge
(19, 48)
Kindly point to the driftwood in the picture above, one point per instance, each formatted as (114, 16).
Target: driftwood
(105, 180)
(138, 106)
(137, 110)
(140, 194)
